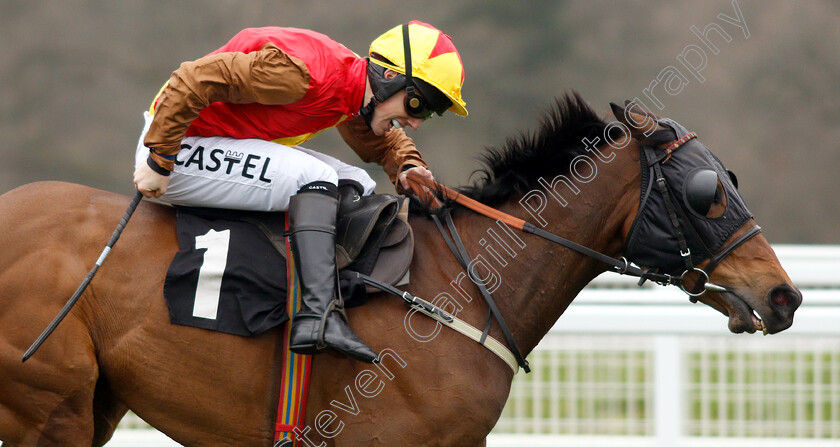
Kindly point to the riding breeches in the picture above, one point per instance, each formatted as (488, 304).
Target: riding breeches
(251, 174)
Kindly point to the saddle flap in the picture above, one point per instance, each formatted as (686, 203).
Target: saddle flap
(362, 223)
(392, 264)
(396, 234)
(374, 236)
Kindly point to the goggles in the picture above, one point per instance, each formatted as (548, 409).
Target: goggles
(417, 107)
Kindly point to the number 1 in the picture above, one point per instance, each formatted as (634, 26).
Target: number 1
(210, 274)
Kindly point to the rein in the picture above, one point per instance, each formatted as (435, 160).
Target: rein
(621, 265)
(423, 188)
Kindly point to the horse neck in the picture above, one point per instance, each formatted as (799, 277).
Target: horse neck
(542, 278)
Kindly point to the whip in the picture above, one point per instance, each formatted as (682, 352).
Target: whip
(72, 301)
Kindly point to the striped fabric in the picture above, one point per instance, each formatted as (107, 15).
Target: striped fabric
(294, 382)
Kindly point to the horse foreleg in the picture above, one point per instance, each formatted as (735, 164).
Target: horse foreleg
(48, 401)
(107, 413)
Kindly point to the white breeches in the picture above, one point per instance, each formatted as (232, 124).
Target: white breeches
(256, 175)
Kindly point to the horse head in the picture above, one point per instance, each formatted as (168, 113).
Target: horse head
(644, 197)
(692, 223)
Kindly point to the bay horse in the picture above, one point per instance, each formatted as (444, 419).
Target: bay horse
(117, 350)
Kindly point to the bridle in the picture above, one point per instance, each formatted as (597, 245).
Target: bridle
(425, 189)
(620, 265)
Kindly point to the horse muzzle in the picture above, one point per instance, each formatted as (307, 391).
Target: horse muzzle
(770, 315)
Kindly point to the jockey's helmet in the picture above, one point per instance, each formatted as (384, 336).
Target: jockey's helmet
(435, 70)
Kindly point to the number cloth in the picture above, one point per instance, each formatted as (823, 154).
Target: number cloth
(226, 276)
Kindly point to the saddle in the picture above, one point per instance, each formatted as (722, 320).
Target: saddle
(373, 236)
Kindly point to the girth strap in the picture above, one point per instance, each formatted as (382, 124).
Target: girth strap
(444, 318)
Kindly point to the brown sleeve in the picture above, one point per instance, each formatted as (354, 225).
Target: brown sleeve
(395, 151)
(267, 76)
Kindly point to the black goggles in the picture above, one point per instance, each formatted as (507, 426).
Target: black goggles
(417, 107)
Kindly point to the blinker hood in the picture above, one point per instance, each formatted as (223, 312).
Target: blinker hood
(694, 178)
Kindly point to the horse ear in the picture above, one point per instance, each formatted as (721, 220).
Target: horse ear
(639, 108)
(617, 110)
(640, 122)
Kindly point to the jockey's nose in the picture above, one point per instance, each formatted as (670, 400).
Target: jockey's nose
(414, 123)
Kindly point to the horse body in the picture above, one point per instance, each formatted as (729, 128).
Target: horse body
(117, 349)
(120, 344)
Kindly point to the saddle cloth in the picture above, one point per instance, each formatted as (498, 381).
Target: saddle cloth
(229, 274)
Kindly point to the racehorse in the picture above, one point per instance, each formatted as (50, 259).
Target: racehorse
(118, 351)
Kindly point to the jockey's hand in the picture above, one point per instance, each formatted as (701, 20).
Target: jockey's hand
(417, 170)
(148, 182)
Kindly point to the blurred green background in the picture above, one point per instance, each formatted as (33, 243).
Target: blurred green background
(75, 77)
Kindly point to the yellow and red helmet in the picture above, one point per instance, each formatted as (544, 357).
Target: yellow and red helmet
(434, 60)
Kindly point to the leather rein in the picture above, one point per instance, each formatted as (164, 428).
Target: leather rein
(423, 188)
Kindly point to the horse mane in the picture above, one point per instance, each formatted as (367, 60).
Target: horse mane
(515, 167)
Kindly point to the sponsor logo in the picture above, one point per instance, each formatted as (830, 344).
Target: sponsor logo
(250, 166)
(233, 155)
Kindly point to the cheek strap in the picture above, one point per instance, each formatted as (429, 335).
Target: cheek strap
(715, 260)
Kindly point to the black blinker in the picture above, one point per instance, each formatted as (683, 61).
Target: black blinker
(700, 190)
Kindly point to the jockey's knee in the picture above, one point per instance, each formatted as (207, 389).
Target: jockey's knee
(317, 172)
(360, 176)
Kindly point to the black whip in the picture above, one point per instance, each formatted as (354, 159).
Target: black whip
(66, 309)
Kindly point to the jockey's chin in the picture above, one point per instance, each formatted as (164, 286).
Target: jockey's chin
(381, 126)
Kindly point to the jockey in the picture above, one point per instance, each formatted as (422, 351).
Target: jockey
(224, 132)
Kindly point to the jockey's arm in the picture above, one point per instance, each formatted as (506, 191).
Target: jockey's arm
(267, 76)
(394, 151)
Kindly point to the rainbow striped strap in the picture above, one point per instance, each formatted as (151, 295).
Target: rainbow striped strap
(294, 381)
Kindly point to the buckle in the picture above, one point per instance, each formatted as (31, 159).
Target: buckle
(624, 269)
(706, 285)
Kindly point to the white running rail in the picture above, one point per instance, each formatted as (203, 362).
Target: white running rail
(630, 366)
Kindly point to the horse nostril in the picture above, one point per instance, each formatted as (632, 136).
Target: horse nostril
(785, 295)
(780, 298)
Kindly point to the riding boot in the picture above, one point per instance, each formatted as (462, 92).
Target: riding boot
(321, 322)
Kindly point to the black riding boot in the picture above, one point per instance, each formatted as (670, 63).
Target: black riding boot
(321, 323)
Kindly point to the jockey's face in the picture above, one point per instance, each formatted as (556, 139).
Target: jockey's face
(391, 109)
